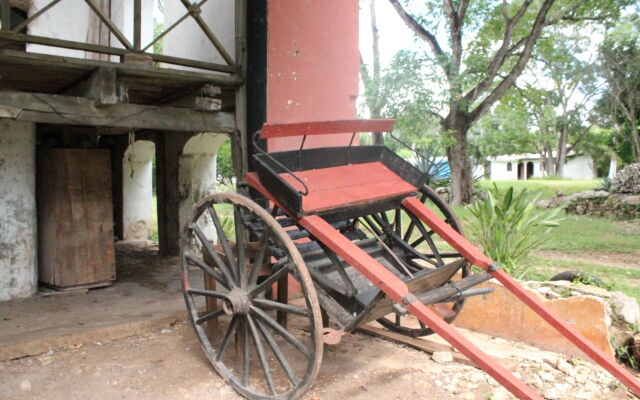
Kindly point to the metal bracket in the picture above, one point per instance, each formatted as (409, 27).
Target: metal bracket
(494, 267)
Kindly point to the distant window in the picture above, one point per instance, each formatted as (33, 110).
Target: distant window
(509, 167)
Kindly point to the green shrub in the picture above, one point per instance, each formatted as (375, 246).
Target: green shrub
(507, 225)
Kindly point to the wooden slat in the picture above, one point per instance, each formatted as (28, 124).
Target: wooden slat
(54, 109)
(348, 184)
(270, 131)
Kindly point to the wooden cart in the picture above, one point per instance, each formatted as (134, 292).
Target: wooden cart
(363, 236)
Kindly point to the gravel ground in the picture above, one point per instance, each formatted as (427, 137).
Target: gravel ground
(169, 364)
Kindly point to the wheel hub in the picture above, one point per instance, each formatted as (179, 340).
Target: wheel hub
(236, 302)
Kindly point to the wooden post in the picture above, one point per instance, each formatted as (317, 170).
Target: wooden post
(241, 93)
(137, 24)
(283, 297)
(5, 14)
(168, 149)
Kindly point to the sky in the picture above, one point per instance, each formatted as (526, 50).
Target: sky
(393, 32)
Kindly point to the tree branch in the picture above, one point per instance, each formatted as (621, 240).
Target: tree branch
(510, 79)
(422, 33)
(502, 53)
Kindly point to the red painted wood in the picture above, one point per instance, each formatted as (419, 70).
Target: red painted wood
(396, 289)
(270, 131)
(381, 277)
(348, 184)
(474, 256)
(456, 240)
(615, 369)
(484, 361)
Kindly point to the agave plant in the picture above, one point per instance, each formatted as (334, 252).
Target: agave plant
(508, 226)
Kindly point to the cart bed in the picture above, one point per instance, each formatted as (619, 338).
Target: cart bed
(348, 185)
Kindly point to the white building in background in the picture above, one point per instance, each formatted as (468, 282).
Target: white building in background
(527, 166)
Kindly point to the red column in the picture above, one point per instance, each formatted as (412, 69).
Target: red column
(313, 66)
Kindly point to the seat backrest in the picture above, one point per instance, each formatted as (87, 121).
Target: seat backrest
(270, 131)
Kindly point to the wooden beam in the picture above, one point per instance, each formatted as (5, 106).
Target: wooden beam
(21, 38)
(101, 86)
(112, 27)
(5, 14)
(137, 24)
(429, 346)
(241, 155)
(129, 70)
(66, 110)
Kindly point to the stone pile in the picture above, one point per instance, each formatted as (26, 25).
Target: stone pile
(627, 180)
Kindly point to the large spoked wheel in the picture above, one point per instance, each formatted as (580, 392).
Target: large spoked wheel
(233, 254)
(422, 249)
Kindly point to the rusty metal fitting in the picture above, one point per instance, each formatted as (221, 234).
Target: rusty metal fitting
(236, 302)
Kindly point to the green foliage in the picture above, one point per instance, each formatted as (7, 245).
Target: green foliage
(158, 46)
(224, 164)
(506, 223)
(620, 68)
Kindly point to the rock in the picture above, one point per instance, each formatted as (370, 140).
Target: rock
(627, 180)
(468, 396)
(547, 376)
(626, 307)
(25, 384)
(500, 394)
(566, 367)
(552, 394)
(442, 357)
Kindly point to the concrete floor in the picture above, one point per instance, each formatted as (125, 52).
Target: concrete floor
(146, 294)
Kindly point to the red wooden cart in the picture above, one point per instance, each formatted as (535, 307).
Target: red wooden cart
(365, 238)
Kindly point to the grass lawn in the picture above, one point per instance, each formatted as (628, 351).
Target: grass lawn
(547, 187)
(625, 280)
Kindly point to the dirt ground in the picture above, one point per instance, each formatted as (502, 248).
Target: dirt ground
(169, 364)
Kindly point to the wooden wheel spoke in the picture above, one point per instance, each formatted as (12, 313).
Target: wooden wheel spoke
(259, 259)
(251, 348)
(430, 242)
(281, 330)
(228, 253)
(270, 304)
(261, 355)
(245, 353)
(226, 338)
(209, 316)
(213, 253)
(397, 221)
(207, 293)
(240, 243)
(277, 352)
(282, 271)
(207, 269)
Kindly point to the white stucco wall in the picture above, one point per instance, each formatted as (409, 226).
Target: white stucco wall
(74, 20)
(198, 170)
(137, 190)
(576, 167)
(68, 20)
(187, 40)
(580, 167)
(18, 223)
(498, 171)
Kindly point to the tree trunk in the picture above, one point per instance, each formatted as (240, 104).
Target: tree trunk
(635, 141)
(459, 161)
(561, 155)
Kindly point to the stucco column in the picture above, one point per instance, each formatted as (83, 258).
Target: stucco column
(18, 223)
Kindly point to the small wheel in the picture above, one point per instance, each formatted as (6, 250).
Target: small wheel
(416, 241)
(232, 254)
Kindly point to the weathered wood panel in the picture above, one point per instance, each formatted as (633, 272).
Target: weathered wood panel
(67, 110)
(75, 217)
